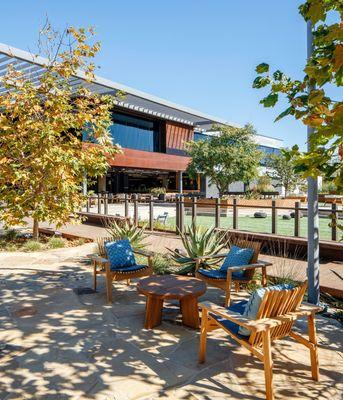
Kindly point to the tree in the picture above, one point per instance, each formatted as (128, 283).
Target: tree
(42, 158)
(313, 106)
(281, 170)
(228, 157)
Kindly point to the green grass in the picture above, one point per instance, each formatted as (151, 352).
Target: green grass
(262, 225)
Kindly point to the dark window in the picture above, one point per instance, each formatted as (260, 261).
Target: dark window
(135, 133)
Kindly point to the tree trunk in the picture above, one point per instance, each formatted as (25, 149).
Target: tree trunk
(35, 230)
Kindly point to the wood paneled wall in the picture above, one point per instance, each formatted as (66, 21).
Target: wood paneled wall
(177, 135)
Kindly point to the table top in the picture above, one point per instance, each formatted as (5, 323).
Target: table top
(171, 286)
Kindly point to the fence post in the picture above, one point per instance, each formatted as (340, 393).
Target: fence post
(126, 206)
(99, 203)
(274, 217)
(88, 200)
(194, 210)
(334, 222)
(182, 214)
(297, 219)
(234, 214)
(151, 213)
(135, 210)
(106, 204)
(217, 213)
(177, 215)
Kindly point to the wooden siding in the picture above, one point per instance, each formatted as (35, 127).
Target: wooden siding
(177, 135)
(131, 158)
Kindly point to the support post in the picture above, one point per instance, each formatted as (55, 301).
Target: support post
(334, 222)
(312, 205)
(106, 204)
(88, 203)
(99, 203)
(234, 214)
(194, 210)
(177, 214)
(180, 182)
(126, 206)
(182, 214)
(217, 213)
(274, 217)
(135, 210)
(151, 213)
(297, 219)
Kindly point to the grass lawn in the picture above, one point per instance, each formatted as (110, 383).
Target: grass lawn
(263, 225)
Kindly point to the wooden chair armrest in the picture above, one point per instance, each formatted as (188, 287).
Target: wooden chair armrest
(145, 253)
(258, 325)
(258, 264)
(101, 260)
(308, 308)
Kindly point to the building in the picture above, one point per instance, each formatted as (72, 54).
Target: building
(152, 132)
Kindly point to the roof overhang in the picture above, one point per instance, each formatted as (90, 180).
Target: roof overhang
(33, 66)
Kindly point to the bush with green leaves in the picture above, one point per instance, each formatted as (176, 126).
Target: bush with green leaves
(10, 234)
(197, 241)
(56, 242)
(129, 231)
(32, 245)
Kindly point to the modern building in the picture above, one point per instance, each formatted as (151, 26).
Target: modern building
(152, 132)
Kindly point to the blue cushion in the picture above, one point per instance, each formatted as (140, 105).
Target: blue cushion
(236, 257)
(213, 273)
(120, 254)
(254, 302)
(231, 326)
(133, 268)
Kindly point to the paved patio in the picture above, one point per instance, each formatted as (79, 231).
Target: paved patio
(57, 344)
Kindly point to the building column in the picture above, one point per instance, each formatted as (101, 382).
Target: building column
(102, 183)
(179, 181)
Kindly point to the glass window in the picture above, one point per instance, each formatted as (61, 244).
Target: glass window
(200, 136)
(134, 133)
(267, 150)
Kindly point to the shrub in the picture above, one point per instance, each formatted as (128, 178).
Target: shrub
(32, 245)
(162, 264)
(158, 190)
(10, 234)
(197, 241)
(56, 242)
(135, 234)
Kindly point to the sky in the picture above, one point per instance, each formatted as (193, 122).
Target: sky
(198, 53)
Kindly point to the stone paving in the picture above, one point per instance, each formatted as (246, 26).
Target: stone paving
(57, 344)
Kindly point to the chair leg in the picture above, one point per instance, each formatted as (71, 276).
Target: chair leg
(203, 336)
(109, 279)
(94, 276)
(264, 276)
(313, 351)
(228, 290)
(128, 282)
(237, 287)
(268, 365)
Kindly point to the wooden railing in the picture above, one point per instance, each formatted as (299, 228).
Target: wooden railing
(99, 204)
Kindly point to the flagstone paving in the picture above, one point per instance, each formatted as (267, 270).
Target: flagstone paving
(57, 344)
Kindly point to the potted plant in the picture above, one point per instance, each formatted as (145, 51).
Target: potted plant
(160, 192)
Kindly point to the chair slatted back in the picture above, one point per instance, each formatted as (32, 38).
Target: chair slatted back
(252, 244)
(101, 245)
(275, 304)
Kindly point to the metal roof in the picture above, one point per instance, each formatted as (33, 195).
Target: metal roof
(33, 67)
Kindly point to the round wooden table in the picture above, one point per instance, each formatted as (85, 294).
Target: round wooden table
(182, 288)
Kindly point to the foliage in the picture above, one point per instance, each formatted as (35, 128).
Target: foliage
(264, 184)
(162, 264)
(197, 241)
(282, 170)
(42, 121)
(228, 157)
(129, 231)
(56, 242)
(32, 245)
(307, 98)
(330, 187)
(158, 190)
(10, 234)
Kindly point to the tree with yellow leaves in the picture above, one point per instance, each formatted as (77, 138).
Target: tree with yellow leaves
(43, 160)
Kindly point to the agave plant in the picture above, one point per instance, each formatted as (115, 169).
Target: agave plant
(197, 241)
(129, 231)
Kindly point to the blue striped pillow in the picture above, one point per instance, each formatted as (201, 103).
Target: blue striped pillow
(236, 257)
(120, 254)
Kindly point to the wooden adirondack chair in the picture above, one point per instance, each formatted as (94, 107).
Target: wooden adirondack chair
(101, 265)
(225, 282)
(275, 318)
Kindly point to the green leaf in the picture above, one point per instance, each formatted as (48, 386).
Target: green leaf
(270, 100)
(289, 110)
(261, 68)
(278, 75)
(260, 82)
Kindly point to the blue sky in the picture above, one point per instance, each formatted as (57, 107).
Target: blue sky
(199, 53)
